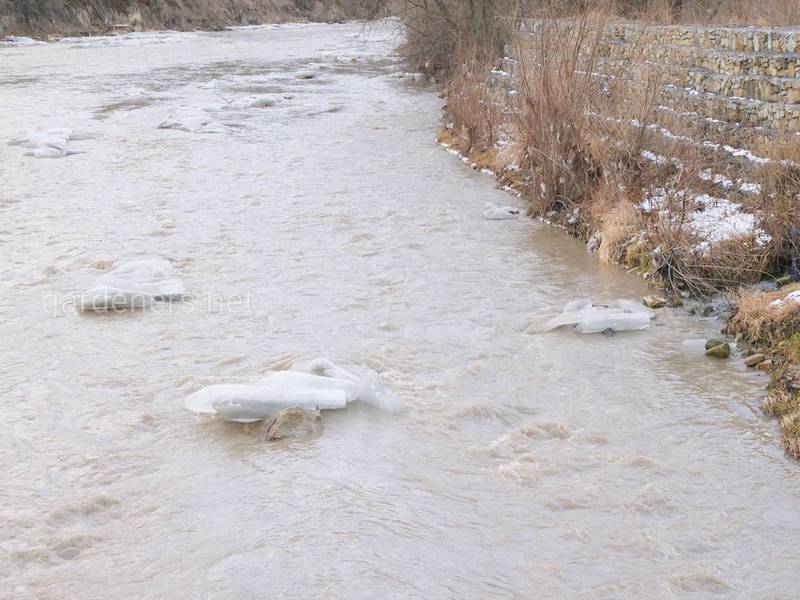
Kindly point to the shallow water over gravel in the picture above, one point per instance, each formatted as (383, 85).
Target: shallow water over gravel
(327, 222)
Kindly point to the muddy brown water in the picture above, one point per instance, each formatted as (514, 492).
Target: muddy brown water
(331, 224)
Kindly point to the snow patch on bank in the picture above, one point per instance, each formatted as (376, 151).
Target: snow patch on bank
(713, 220)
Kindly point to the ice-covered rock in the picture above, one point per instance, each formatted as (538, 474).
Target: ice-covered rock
(133, 284)
(586, 317)
(491, 212)
(249, 403)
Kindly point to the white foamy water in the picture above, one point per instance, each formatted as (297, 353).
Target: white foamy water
(327, 222)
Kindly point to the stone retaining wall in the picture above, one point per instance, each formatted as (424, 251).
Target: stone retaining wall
(746, 76)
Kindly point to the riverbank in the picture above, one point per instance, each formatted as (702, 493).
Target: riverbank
(52, 18)
(606, 129)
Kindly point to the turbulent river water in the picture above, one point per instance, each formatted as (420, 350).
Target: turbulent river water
(305, 204)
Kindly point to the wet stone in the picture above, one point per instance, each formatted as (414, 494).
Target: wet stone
(755, 359)
(654, 302)
(291, 423)
(720, 351)
(765, 366)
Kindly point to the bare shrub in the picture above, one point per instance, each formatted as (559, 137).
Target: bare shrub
(556, 85)
(474, 106)
(441, 32)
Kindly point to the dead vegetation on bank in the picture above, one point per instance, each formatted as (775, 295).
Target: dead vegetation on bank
(597, 152)
(771, 322)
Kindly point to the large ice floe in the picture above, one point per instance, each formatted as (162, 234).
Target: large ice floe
(133, 284)
(324, 386)
(584, 316)
(52, 143)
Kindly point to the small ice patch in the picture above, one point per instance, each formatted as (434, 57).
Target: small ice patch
(654, 158)
(192, 120)
(491, 212)
(791, 297)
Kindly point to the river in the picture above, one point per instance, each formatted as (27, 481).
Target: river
(325, 221)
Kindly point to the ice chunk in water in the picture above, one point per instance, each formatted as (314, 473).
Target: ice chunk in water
(52, 150)
(294, 389)
(193, 120)
(133, 284)
(58, 135)
(371, 389)
(249, 403)
(324, 367)
(492, 212)
(585, 317)
(375, 394)
(613, 321)
(312, 382)
(575, 305)
(53, 143)
(103, 298)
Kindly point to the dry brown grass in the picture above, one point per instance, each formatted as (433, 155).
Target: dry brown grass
(620, 228)
(774, 328)
(762, 322)
(790, 430)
